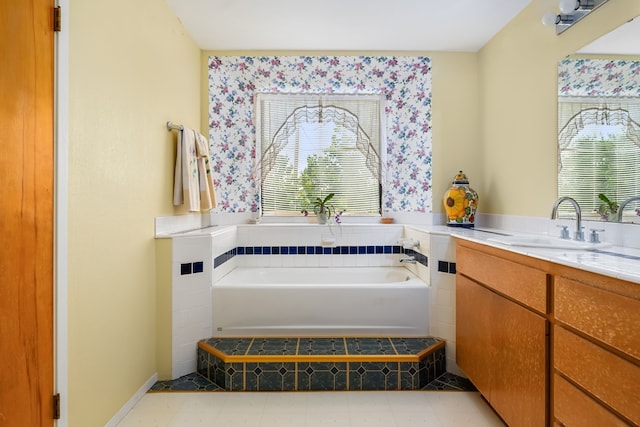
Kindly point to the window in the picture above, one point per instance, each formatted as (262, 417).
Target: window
(312, 145)
(599, 151)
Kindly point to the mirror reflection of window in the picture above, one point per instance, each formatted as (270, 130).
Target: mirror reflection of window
(596, 158)
(599, 152)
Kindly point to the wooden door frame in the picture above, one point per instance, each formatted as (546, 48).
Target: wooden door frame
(61, 214)
(28, 213)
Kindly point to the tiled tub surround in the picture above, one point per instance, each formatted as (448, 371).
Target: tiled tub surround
(314, 246)
(311, 363)
(190, 301)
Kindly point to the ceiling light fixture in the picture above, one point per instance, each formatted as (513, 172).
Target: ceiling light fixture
(571, 11)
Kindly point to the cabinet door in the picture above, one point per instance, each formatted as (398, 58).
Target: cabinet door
(502, 347)
(473, 341)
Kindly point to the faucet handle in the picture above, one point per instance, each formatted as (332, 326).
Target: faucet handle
(594, 237)
(564, 233)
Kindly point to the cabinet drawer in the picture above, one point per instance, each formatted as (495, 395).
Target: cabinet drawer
(524, 284)
(572, 407)
(613, 380)
(606, 316)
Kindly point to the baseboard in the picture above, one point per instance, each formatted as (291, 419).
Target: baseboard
(119, 416)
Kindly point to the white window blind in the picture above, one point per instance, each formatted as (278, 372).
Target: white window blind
(312, 145)
(599, 150)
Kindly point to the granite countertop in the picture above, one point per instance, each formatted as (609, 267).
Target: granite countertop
(614, 261)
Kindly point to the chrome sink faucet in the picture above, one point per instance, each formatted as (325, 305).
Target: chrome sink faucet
(579, 234)
(625, 203)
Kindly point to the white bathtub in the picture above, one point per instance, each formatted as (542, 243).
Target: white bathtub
(362, 301)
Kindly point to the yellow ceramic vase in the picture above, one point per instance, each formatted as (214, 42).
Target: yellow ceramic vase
(460, 203)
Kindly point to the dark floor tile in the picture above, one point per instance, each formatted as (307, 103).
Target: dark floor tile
(450, 382)
(189, 382)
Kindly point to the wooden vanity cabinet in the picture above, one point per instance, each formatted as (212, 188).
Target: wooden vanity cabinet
(547, 344)
(596, 350)
(502, 331)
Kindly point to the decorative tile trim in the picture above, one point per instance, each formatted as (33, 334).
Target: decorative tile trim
(297, 364)
(191, 268)
(420, 258)
(301, 349)
(447, 267)
(318, 250)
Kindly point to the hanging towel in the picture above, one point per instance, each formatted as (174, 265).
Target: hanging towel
(207, 193)
(186, 188)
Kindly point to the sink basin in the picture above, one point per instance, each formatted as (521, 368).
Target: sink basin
(546, 242)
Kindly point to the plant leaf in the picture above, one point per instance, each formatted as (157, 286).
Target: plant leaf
(605, 199)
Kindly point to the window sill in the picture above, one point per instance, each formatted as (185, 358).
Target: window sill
(311, 219)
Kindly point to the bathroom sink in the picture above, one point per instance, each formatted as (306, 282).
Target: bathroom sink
(546, 242)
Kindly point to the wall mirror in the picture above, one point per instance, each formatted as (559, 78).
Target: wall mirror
(599, 125)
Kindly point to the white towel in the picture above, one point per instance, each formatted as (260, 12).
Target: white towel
(207, 193)
(193, 184)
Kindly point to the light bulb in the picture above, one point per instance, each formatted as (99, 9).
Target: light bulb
(550, 18)
(567, 7)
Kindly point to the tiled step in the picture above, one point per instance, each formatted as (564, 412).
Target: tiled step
(331, 363)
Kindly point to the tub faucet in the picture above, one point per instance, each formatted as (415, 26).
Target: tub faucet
(410, 244)
(625, 203)
(579, 234)
(408, 260)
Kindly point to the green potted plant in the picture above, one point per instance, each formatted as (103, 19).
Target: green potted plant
(323, 209)
(608, 209)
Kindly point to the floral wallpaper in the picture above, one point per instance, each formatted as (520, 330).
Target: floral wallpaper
(405, 82)
(599, 77)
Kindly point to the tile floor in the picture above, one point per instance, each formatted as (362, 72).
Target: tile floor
(310, 409)
(197, 382)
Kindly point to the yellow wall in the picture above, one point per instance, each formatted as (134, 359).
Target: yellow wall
(518, 81)
(132, 67)
(457, 128)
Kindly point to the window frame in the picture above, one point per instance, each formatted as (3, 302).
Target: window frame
(314, 99)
